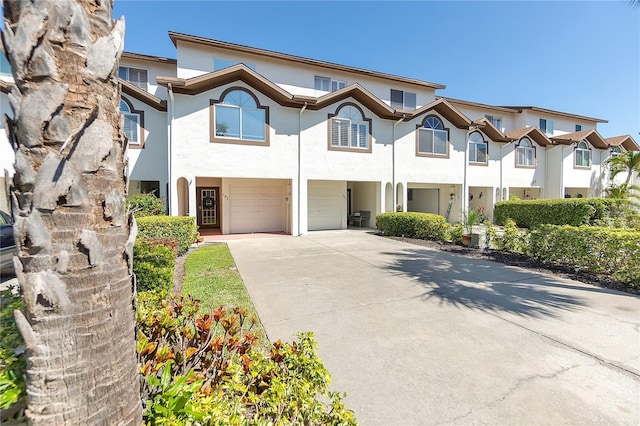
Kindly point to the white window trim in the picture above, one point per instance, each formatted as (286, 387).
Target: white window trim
(405, 107)
(350, 141)
(525, 149)
(129, 67)
(580, 153)
(340, 84)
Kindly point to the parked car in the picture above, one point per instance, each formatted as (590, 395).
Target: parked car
(7, 243)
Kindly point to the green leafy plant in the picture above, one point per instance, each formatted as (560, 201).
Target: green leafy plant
(599, 250)
(206, 369)
(145, 205)
(154, 260)
(13, 364)
(470, 218)
(413, 225)
(182, 228)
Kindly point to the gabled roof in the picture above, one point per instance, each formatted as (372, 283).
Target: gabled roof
(626, 141)
(444, 108)
(175, 37)
(530, 132)
(490, 130)
(238, 72)
(478, 105)
(550, 111)
(356, 92)
(143, 95)
(149, 58)
(590, 135)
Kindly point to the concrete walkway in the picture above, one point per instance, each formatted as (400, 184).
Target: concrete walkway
(421, 337)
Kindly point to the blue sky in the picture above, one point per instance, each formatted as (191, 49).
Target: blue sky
(575, 56)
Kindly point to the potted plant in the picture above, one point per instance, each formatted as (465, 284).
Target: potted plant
(469, 218)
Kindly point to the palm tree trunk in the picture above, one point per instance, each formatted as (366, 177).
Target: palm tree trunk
(73, 235)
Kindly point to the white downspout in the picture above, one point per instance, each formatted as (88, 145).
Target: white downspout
(394, 194)
(465, 189)
(299, 161)
(562, 172)
(169, 143)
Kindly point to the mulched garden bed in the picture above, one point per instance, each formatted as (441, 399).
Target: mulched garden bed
(522, 261)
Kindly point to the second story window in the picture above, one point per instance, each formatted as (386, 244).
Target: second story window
(433, 138)
(328, 85)
(132, 122)
(525, 153)
(477, 148)
(580, 127)
(239, 117)
(350, 129)
(546, 126)
(616, 151)
(137, 76)
(496, 121)
(582, 155)
(401, 100)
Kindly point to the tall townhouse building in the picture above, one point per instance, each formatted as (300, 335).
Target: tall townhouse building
(249, 140)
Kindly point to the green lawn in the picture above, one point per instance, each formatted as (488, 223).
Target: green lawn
(210, 275)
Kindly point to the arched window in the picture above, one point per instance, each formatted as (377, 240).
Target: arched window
(525, 153)
(238, 115)
(349, 128)
(132, 123)
(582, 155)
(433, 137)
(477, 148)
(615, 151)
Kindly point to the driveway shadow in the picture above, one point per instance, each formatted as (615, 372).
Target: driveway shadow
(484, 285)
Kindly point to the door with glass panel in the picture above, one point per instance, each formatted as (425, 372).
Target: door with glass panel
(208, 216)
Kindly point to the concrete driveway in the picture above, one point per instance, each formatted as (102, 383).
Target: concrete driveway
(418, 336)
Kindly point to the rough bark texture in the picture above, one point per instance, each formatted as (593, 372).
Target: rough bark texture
(73, 237)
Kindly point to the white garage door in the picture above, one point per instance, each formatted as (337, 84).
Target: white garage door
(326, 204)
(257, 206)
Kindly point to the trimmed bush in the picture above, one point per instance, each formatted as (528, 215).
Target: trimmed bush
(573, 211)
(426, 226)
(145, 205)
(600, 250)
(182, 228)
(153, 263)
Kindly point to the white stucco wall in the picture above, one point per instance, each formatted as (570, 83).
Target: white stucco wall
(298, 79)
(150, 162)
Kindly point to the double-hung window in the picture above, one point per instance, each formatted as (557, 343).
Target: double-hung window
(477, 148)
(546, 126)
(137, 76)
(328, 85)
(350, 129)
(238, 116)
(433, 137)
(525, 153)
(401, 100)
(131, 124)
(496, 121)
(582, 155)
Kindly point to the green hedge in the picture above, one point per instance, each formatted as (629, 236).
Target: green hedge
(153, 264)
(182, 228)
(573, 211)
(145, 205)
(600, 250)
(414, 225)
